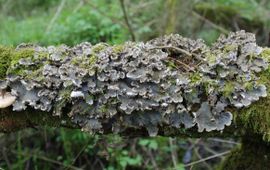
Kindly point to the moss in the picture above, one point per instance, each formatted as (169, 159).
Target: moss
(93, 59)
(85, 62)
(228, 89)
(36, 74)
(21, 53)
(211, 58)
(266, 53)
(209, 84)
(77, 60)
(248, 85)
(15, 58)
(256, 118)
(103, 109)
(171, 65)
(9, 59)
(118, 48)
(64, 96)
(98, 47)
(5, 59)
(231, 47)
(195, 78)
(252, 154)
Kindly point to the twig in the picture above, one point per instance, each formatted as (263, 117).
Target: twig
(152, 159)
(48, 160)
(78, 6)
(179, 50)
(56, 15)
(174, 48)
(224, 141)
(127, 20)
(208, 158)
(79, 154)
(187, 67)
(200, 157)
(173, 153)
(221, 29)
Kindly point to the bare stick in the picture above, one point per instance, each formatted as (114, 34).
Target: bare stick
(56, 15)
(208, 158)
(174, 48)
(127, 21)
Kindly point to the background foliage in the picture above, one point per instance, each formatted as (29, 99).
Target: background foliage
(53, 22)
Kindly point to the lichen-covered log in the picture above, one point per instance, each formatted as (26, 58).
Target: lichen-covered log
(169, 86)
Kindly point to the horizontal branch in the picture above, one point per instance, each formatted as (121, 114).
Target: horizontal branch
(171, 86)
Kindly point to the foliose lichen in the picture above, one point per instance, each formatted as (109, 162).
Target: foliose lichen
(170, 80)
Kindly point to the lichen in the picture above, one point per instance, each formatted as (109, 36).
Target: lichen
(172, 81)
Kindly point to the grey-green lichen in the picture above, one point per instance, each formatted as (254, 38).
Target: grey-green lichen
(170, 80)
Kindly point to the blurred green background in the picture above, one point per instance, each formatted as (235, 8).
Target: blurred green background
(54, 22)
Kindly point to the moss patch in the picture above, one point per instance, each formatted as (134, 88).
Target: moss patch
(228, 89)
(266, 53)
(15, 57)
(211, 58)
(195, 78)
(5, 59)
(98, 47)
(118, 49)
(256, 118)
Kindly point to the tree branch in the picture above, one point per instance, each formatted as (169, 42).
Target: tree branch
(131, 89)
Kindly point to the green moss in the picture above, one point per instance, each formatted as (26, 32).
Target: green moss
(84, 61)
(228, 89)
(211, 58)
(256, 118)
(9, 59)
(5, 59)
(93, 59)
(195, 78)
(209, 84)
(248, 85)
(103, 109)
(64, 96)
(171, 65)
(98, 47)
(266, 53)
(35, 74)
(231, 47)
(118, 48)
(21, 53)
(15, 58)
(77, 60)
